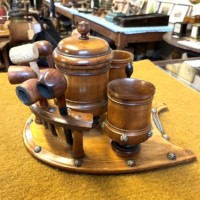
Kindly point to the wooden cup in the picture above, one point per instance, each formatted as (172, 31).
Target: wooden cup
(129, 113)
(120, 61)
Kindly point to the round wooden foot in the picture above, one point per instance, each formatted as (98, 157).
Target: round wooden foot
(125, 150)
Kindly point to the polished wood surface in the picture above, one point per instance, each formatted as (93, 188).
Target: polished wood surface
(99, 157)
(52, 84)
(81, 79)
(46, 50)
(121, 65)
(85, 61)
(129, 99)
(19, 74)
(173, 41)
(75, 120)
(28, 93)
(76, 140)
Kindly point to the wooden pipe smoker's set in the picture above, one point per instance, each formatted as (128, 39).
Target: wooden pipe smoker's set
(88, 116)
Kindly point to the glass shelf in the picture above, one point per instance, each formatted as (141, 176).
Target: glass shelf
(185, 70)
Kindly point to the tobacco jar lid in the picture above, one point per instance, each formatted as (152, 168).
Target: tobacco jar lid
(130, 90)
(82, 49)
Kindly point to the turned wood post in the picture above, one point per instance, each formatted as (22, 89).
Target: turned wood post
(77, 148)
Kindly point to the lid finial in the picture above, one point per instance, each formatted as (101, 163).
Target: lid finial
(83, 28)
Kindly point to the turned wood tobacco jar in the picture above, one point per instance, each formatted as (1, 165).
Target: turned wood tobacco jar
(85, 61)
(129, 111)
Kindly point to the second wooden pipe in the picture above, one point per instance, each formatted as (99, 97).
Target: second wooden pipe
(28, 93)
(52, 84)
(29, 53)
(19, 74)
(45, 50)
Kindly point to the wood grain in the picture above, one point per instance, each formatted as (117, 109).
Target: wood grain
(99, 157)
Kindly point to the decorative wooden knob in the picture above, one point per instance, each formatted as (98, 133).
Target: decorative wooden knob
(83, 28)
(129, 70)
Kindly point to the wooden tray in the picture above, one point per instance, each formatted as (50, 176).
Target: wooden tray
(99, 157)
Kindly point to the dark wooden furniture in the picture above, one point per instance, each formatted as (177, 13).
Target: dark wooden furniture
(120, 38)
(20, 32)
(154, 19)
(179, 48)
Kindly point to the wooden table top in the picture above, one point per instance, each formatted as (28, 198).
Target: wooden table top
(170, 39)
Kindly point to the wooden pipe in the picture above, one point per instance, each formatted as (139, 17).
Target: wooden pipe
(19, 74)
(52, 84)
(28, 93)
(45, 50)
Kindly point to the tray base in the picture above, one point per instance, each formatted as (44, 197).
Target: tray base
(99, 156)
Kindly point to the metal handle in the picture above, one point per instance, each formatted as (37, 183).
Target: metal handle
(159, 124)
(157, 120)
